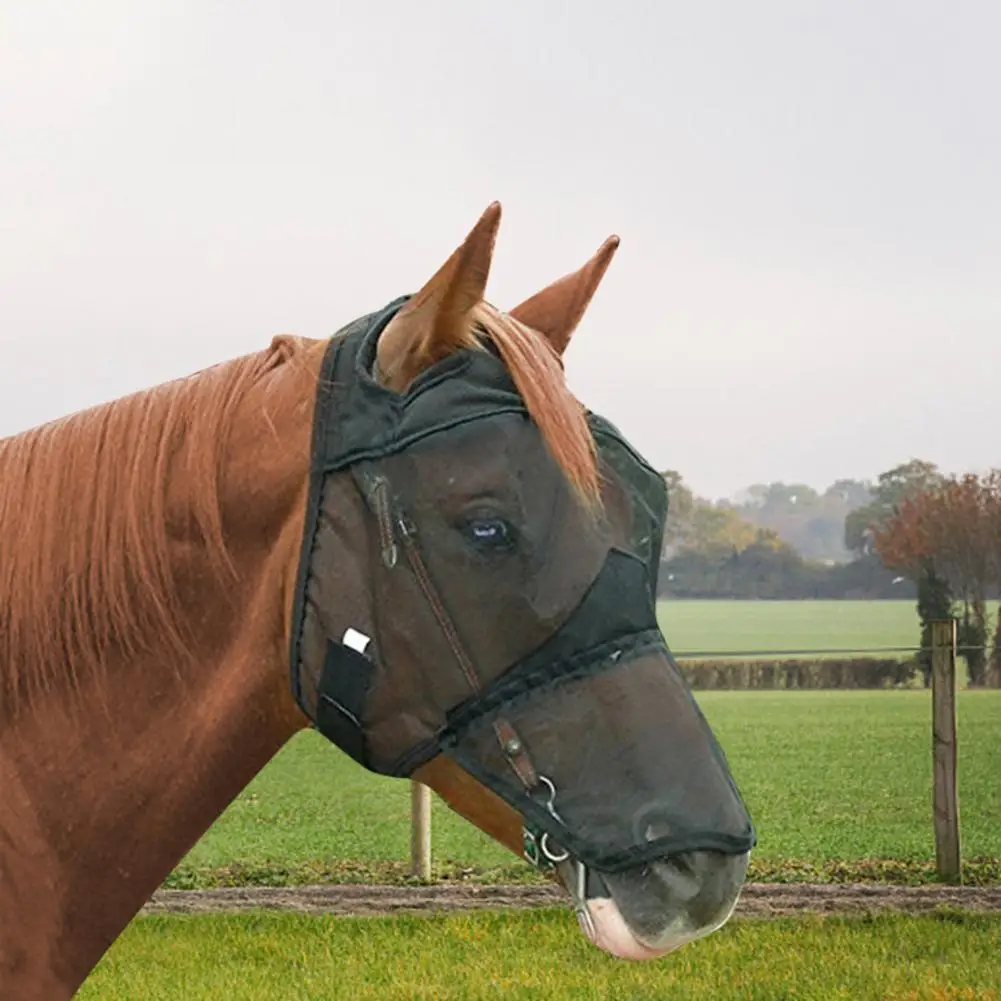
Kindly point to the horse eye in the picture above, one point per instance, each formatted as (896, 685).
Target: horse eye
(489, 533)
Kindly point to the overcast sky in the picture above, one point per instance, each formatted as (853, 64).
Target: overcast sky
(809, 281)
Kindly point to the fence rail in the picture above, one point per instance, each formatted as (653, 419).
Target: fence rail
(945, 795)
(815, 651)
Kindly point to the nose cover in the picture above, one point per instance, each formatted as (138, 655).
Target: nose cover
(455, 596)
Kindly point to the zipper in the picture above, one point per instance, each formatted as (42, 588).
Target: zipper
(408, 533)
(511, 744)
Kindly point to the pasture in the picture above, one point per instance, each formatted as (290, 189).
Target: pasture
(541, 954)
(751, 626)
(839, 784)
(829, 777)
(832, 779)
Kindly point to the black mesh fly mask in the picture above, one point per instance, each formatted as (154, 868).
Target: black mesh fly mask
(492, 617)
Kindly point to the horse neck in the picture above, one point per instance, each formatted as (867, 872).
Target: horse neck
(109, 782)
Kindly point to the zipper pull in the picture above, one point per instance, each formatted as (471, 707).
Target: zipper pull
(384, 517)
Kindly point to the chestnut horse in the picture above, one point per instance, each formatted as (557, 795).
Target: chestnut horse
(149, 550)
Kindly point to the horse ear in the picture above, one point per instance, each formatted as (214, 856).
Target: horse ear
(556, 310)
(436, 321)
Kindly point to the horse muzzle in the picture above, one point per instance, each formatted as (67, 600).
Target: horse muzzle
(654, 908)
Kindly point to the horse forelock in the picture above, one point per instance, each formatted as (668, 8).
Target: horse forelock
(538, 374)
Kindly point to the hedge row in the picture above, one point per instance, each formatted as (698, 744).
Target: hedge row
(857, 672)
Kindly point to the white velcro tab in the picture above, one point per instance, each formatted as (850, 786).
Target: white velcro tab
(356, 640)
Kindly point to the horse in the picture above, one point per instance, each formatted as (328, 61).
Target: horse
(157, 573)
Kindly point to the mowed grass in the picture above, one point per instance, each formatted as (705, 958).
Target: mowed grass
(542, 955)
(827, 776)
(746, 627)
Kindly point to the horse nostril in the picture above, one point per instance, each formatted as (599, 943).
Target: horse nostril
(718, 878)
(679, 877)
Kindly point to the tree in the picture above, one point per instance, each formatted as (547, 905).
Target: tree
(944, 538)
(768, 568)
(719, 529)
(811, 522)
(992, 540)
(934, 604)
(964, 559)
(852, 493)
(905, 542)
(681, 504)
(700, 525)
(892, 488)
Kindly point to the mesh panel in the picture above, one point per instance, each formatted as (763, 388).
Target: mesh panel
(627, 473)
(624, 758)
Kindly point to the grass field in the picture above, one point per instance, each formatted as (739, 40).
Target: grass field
(833, 779)
(748, 626)
(826, 775)
(542, 955)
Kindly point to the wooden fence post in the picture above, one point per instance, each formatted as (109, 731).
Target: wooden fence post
(946, 792)
(420, 830)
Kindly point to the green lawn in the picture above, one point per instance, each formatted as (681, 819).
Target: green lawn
(541, 955)
(827, 776)
(749, 626)
(832, 779)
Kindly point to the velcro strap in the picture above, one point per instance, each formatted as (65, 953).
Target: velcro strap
(344, 684)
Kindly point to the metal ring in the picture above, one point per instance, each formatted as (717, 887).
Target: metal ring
(544, 845)
(551, 804)
(552, 789)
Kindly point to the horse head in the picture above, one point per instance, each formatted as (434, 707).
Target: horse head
(503, 646)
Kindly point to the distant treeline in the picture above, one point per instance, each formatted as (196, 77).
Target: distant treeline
(915, 534)
(764, 572)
